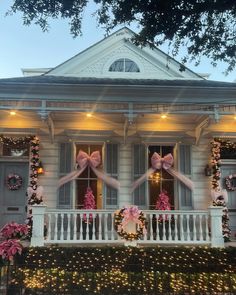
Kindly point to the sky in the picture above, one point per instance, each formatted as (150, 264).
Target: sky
(29, 47)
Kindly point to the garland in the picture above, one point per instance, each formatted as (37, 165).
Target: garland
(123, 216)
(221, 148)
(14, 181)
(229, 181)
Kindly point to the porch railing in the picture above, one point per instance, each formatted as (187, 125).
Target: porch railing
(54, 226)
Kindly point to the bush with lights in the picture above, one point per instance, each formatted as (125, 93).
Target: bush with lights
(126, 270)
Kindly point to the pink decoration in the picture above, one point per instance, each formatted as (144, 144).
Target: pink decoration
(9, 248)
(219, 196)
(89, 203)
(158, 162)
(131, 214)
(84, 160)
(163, 204)
(13, 230)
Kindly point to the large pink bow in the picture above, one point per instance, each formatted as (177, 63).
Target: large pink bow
(131, 214)
(83, 160)
(166, 162)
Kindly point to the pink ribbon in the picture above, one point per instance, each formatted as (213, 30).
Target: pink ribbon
(131, 214)
(219, 196)
(166, 162)
(83, 160)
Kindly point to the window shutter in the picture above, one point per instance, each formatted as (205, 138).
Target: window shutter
(139, 168)
(65, 166)
(185, 167)
(111, 165)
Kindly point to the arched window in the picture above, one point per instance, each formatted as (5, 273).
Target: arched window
(124, 65)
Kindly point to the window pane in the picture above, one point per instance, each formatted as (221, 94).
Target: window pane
(131, 66)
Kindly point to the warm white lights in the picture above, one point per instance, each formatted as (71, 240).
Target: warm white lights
(163, 116)
(89, 115)
(12, 113)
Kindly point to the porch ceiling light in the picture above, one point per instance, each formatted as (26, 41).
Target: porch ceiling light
(89, 115)
(163, 116)
(234, 117)
(12, 113)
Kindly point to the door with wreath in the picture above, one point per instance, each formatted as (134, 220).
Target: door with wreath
(13, 185)
(227, 169)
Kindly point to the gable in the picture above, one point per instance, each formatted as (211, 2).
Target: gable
(96, 61)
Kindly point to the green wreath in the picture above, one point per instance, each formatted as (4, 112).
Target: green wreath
(14, 181)
(119, 216)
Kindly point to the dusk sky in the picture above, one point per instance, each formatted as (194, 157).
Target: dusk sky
(29, 47)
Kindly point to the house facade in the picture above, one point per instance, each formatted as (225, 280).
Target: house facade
(127, 103)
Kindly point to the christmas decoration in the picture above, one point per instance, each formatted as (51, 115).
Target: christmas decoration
(229, 182)
(14, 181)
(163, 204)
(225, 149)
(89, 203)
(12, 233)
(126, 215)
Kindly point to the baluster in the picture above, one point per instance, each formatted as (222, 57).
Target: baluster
(181, 227)
(49, 237)
(207, 228)
(74, 216)
(150, 220)
(114, 234)
(106, 226)
(169, 227)
(81, 219)
(69, 220)
(62, 227)
(164, 227)
(145, 234)
(157, 227)
(93, 229)
(200, 228)
(176, 227)
(56, 225)
(100, 226)
(194, 228)
(87, 227)
(188, 227)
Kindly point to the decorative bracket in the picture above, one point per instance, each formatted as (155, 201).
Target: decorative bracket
(204, 123)
(46, 117)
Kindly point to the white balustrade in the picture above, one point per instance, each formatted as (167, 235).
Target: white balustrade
(97, 226)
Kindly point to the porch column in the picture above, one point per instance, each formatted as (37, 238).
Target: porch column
(38, 212)
(216, 214)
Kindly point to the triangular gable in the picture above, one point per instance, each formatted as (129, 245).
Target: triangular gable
(97, 59)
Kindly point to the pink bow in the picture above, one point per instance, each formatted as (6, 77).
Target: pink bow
(84, 160)
(131, 214)
(157, 163)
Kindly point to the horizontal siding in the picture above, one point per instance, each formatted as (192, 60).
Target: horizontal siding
(49, 155)
(201, 155)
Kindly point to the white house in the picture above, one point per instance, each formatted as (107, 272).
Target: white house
(126, 102)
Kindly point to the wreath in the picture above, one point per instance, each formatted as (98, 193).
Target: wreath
(14, 181)
(125, 215)
(230, 182)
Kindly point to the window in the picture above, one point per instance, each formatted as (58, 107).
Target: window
(124, 65)
(160, 180)
(88, 178)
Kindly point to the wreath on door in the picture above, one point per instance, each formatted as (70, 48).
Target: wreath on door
(230, 182)
(14, 181)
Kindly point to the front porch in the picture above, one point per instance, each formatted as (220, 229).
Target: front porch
(172, 227)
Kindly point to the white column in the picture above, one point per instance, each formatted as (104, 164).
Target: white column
(38, 212)
(216, 213)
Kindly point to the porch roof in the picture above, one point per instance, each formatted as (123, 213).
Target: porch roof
(60, 88)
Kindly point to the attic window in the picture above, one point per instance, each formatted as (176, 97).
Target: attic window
(124, 65)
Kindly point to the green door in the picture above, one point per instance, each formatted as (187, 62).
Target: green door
(13, 202)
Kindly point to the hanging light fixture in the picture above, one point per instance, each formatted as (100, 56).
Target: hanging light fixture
(40, 169)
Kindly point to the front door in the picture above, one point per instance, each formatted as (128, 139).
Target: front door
(227, 170)
(13, 202)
